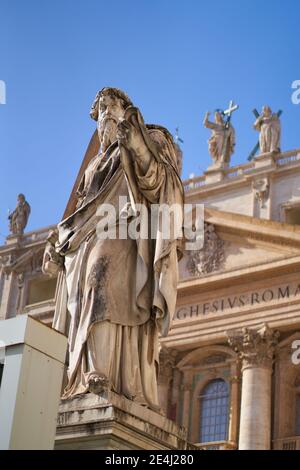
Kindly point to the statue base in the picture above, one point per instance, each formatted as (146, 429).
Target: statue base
(115, 423)
(265, 159)
(13, 239)
(215, 172)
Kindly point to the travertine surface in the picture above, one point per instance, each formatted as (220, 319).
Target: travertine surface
(222, 141)
(253, 209)
(113, 422)
(268, 124)
(117, 293)
(18, 219)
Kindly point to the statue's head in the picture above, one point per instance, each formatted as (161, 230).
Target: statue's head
(219, 118)
(108, 108)
(267, 111)
(113, 100)
(21, 198)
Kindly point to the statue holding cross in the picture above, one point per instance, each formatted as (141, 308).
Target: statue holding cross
(222, 141)
(268, 124)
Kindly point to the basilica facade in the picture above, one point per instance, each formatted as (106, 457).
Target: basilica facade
(228, 369)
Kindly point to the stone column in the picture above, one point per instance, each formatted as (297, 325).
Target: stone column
(166, 366)
(234, 405)
(7, 286)
(255, 348)
(187, 390)
(175, 396)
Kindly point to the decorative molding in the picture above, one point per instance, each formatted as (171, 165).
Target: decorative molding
(167, 359)
(233, 379)
(213, 359)
(19, 263)
(210, 258)
(255, 347)
(261, 190)
(286, 206)
(197, 356)
(186, 387)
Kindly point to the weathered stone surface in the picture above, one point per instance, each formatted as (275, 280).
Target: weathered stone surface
(255, 348)
(18, 219)
(113, 422)
(268, 124)
(120, 290)
(222, 141)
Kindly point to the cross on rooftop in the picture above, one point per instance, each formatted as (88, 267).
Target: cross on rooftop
(231, 108)
(177, 138)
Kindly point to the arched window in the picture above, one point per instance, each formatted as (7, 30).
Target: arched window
(214, 411)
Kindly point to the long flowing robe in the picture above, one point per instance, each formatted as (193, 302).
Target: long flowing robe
(19, 217)
(115, 295)
(270, 130)
(222, 142)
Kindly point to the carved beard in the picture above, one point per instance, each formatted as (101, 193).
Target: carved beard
(107, 131)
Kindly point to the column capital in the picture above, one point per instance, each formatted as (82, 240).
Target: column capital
(186, 387)
(167, 359)
(235, 379)
(254, 346)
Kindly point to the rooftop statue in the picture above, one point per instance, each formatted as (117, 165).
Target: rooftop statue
(18, 219)
(268, 124)
(222, 141)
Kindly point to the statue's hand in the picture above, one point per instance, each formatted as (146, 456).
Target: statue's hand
(131, 138)
(52, 261)
(206, 119)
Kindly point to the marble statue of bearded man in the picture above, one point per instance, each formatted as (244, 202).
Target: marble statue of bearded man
(116, 295)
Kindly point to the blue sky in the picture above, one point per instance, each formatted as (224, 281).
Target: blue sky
(175, 58)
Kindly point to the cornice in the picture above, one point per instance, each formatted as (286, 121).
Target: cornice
(238, 276)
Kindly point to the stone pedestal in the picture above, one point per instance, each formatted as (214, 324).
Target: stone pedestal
(97, 422)
(13, 239)
(214, 173)
(265, 160)
(255, 349)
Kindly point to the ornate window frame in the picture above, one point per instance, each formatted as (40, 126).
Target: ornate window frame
(199, 367)
(286, 206)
